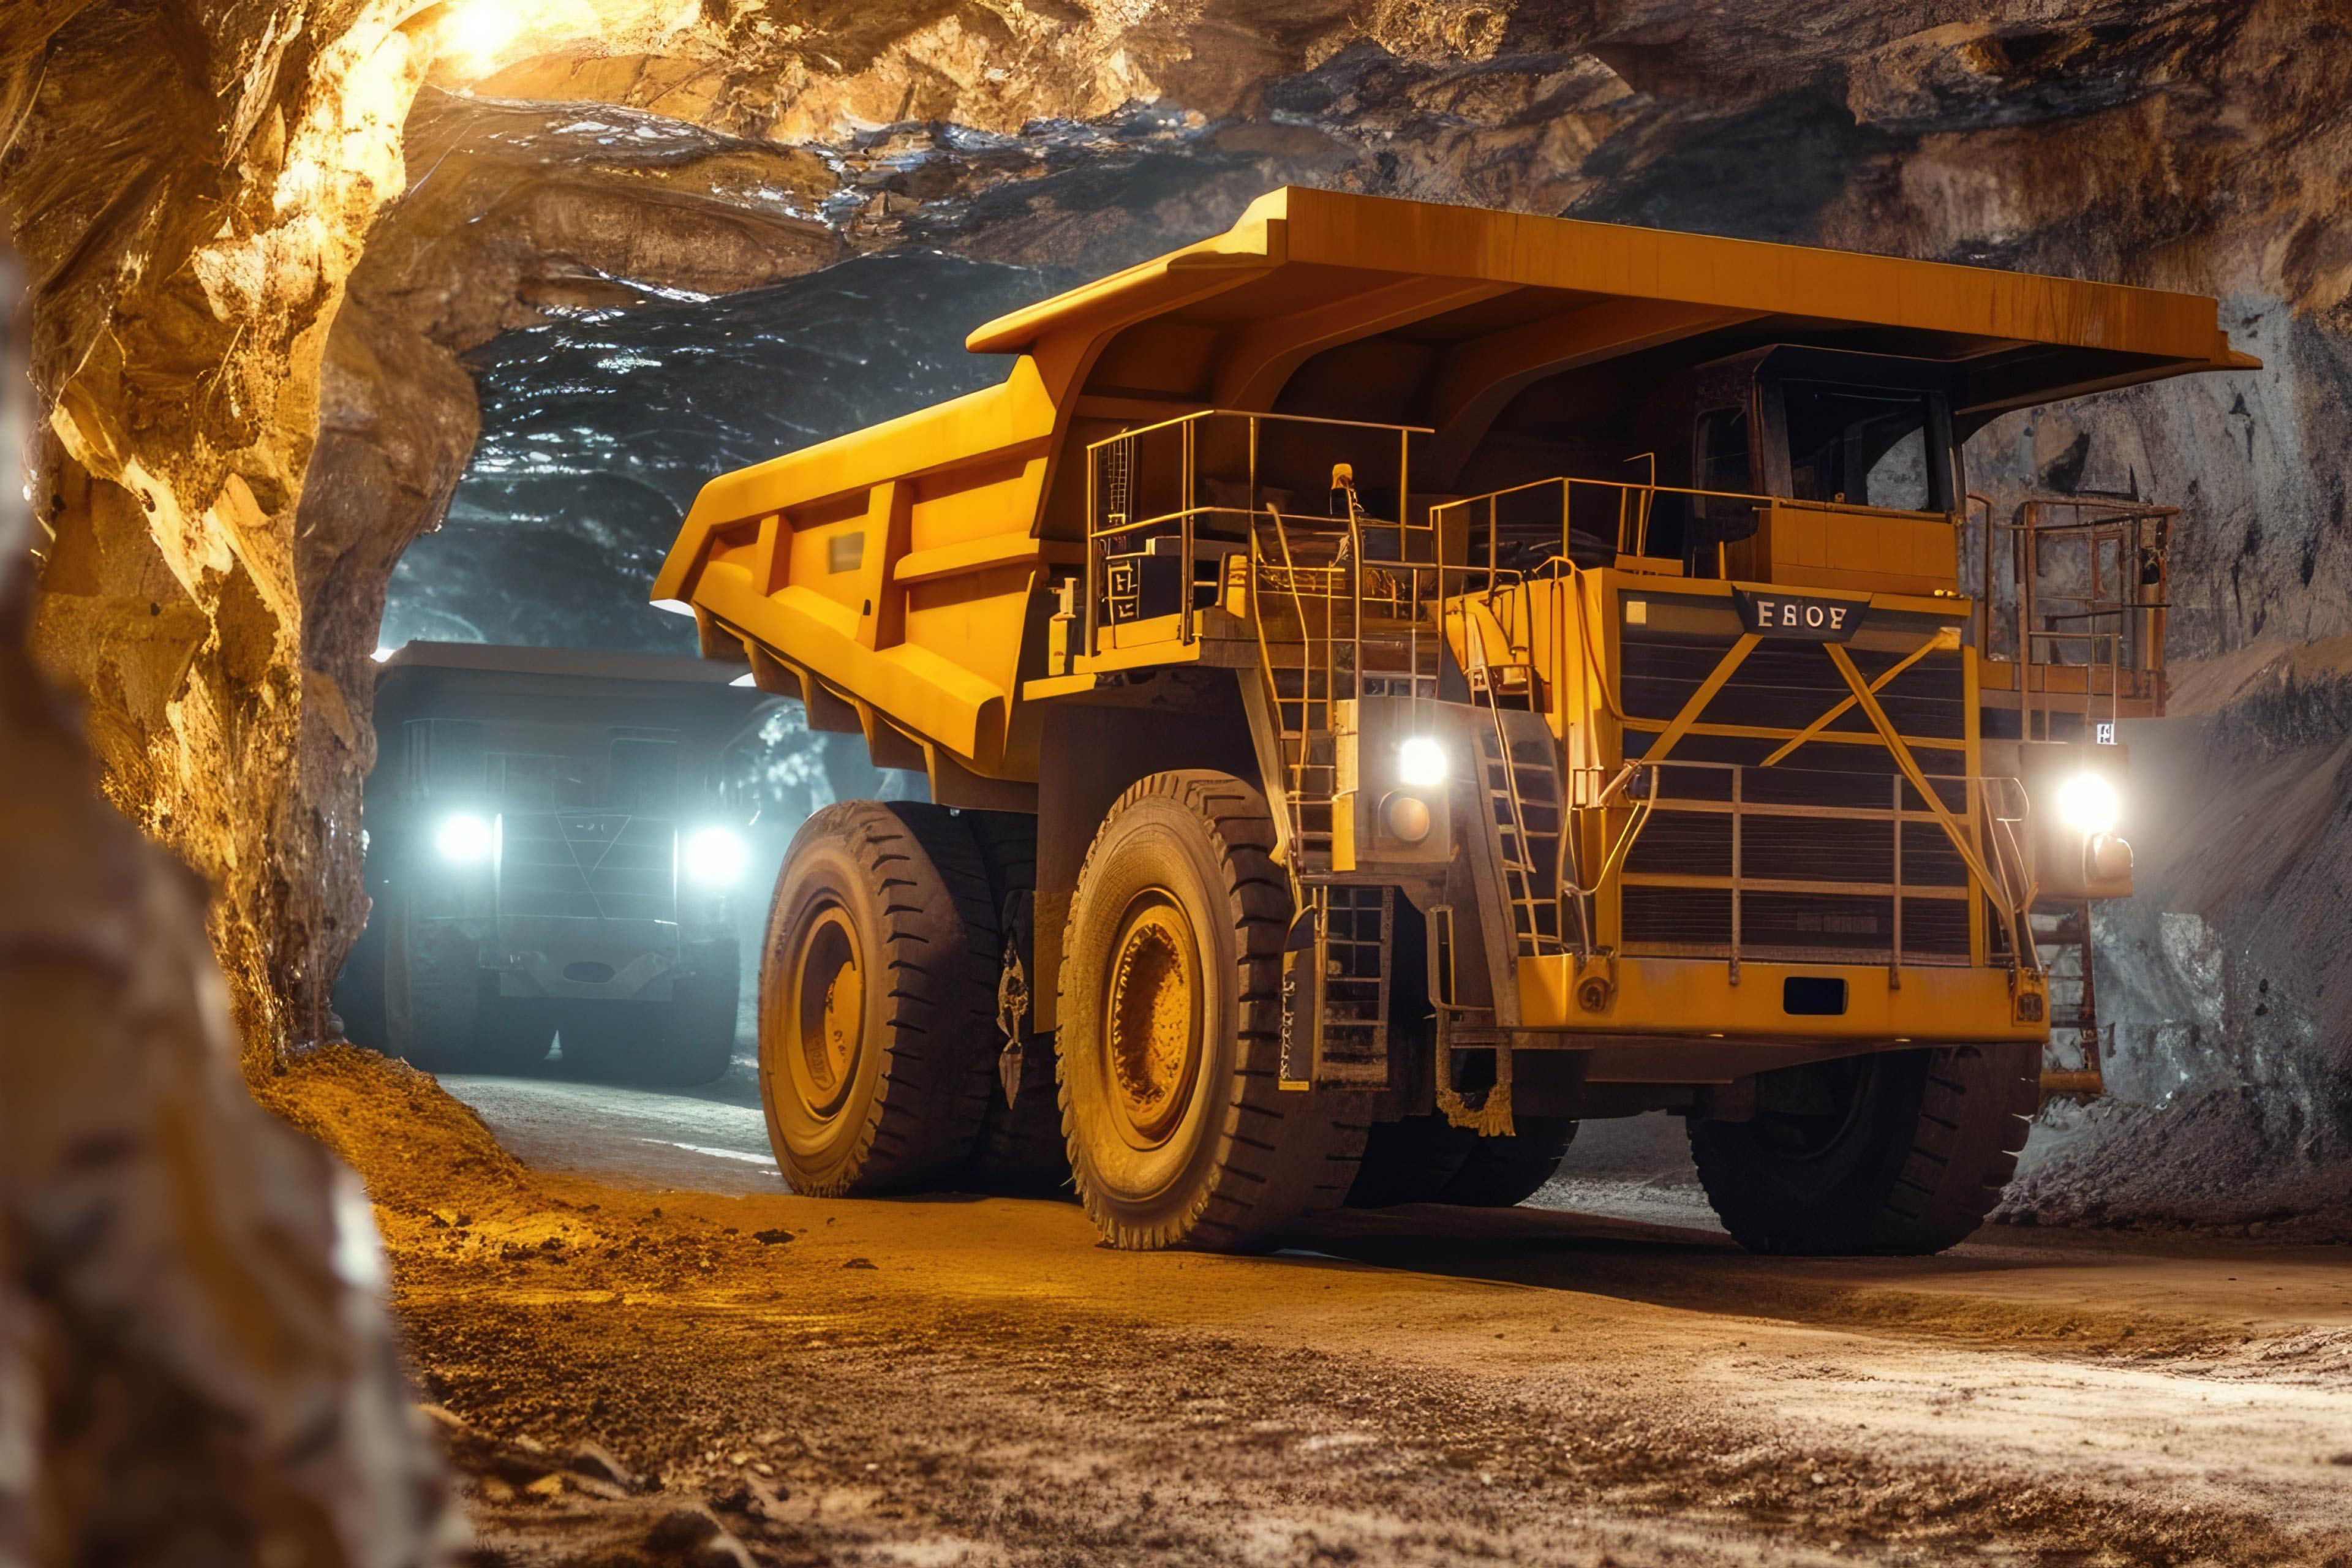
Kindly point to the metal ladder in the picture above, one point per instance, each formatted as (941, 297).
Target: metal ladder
(1519, 774)
(2063, 937)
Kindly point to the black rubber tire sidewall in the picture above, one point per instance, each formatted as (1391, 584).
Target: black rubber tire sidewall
(1502, 1173)
(907, 880)
(1410, 1160)
(1247, 1160)
(1153, 847)
(1922, 1159)
(433, 993)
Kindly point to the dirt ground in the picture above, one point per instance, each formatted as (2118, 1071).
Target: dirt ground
(631, 1375)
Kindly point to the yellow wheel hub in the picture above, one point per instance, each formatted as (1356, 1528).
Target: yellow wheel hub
(827, 1013)
(1152, 1034)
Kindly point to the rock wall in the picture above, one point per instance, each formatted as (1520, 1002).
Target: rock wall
(196, 1363)
(2189, 143)
(191, 185)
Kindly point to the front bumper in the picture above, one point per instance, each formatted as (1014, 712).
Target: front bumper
(1662, 999)
(560, 958)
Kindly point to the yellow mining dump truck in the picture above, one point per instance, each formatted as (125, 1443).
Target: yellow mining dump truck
(1398, 680)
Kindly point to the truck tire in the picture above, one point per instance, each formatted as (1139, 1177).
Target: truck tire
(1020, 1150)
(1409, 1161)
(1170, 1029)
(878, 1000)
(1503, 1173)
(514, 1033)
(359, 989)
(433, 993)
(698, 1027)
(1900, 1152)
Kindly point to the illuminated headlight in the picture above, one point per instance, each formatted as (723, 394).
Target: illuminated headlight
(2088, 804)
(463, 839)
(1420, 762)
(713, 858)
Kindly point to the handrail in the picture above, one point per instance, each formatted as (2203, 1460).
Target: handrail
(2116, 550)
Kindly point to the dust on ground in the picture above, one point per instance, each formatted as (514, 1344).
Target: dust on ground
(625, 1375)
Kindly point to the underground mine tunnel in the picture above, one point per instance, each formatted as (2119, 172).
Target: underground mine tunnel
(1628, 717)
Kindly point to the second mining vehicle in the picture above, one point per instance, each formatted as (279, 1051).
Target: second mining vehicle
(552, 850)
(1398, 680)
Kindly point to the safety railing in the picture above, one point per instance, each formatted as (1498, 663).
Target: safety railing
(1533, 526)
(1168, 504)
(2075, 592)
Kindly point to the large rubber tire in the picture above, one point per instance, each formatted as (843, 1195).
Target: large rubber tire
(1900, 1152)
(433, 992)
(878, 1000)
(1169, 1030)
(1020, 1152)
(513, 1034)
(1502, 1173)
(359, 989)
(1409, 1161)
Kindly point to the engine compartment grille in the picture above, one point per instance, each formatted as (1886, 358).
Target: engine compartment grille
(1830, 856)
(593, 864)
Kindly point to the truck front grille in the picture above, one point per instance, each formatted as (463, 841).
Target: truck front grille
(1819, 860)
(593, 864)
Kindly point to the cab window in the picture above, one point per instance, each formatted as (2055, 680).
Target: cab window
(1861, 446)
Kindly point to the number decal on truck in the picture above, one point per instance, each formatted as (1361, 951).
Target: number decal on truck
(1797, 616)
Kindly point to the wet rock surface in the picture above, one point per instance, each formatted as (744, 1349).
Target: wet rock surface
(598, 430)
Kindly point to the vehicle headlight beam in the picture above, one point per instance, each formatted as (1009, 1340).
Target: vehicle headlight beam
(2087, 804)
(713, 858)
(463, 839)
(1420, 762)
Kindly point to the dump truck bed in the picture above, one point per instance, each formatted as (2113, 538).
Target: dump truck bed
(900, 579)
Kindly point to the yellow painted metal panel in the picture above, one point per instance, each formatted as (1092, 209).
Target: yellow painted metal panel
(1304, 227)
(1697, 997)
(972, 555)
(978, 501)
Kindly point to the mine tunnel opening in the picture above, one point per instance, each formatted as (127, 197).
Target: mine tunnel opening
(573, 823)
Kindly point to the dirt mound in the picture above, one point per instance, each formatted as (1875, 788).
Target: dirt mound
(416, 1148)
(2226, 1159)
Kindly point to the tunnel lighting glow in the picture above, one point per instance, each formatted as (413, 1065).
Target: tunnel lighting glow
(1420, 762)
(2088, 804)
(463, 839)
(714, 856)
(480, 28)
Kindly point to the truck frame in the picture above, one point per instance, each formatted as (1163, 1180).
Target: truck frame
(1398, 680)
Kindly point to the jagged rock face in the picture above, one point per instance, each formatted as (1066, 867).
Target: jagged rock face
(191, 186)
(2186, 144)
(179, 1381)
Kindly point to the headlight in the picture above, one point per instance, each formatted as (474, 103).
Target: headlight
(2088, 804)
(1420, 762)
(463, 839)
(713, 857)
